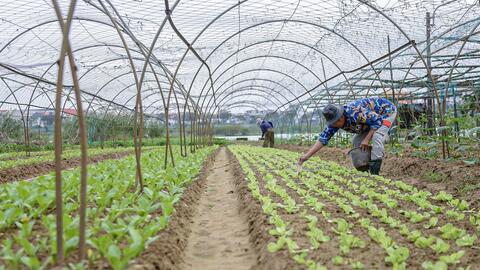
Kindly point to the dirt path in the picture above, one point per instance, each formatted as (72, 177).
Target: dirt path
(219, 238)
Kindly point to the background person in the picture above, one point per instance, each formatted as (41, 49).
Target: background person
(267, 132)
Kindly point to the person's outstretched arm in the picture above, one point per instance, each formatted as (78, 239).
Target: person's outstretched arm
(323, 139)
(314, 149)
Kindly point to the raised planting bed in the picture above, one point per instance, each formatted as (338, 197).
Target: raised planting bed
(328, 216)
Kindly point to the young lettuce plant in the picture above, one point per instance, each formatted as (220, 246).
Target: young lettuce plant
(450, 232)
(397, 257)
(440, 246)
(453, 258)
(466, 240)
(439, 265)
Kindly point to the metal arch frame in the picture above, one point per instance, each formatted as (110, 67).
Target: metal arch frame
(124, 104)
(146, 62)
(32, 98)
(417, 58)
(248, 71)
(253, 87)
(74, 18)
(25, 85)
(149, 95)
(419, 55)
(48, 22)
(53, 21)
(19, 108)
(243, 105)
(129, 86)
(269, 56)
(429, 71)
(217, 109)
(228, 98)
(238, 90)
(206, 108)
(433, 41)
(260, 79)
(263, 70)
(165, 70)
(381, 80)
(456, 59)
(263, 56)
(204, 131)
(275, 21)
(113, 79)
(289, 41)
(139, 100)
(173, 79)
(429, 75)
(283, 41)
(45, 93)
(249, 102)
(138, 108)
(295, 42)
(247, 80)
(355, 70)
(168, 12)
(209, 108)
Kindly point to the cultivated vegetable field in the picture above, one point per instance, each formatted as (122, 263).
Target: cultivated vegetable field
(121, 221)
(239, 134)
(329, 216)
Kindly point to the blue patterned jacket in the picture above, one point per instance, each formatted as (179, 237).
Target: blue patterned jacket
(361, 115)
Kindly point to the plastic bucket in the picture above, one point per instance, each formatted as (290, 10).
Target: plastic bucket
(359, 157)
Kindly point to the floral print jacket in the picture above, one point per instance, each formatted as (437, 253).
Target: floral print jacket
(361, 115)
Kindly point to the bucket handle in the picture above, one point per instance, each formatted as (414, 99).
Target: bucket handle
(355, 148)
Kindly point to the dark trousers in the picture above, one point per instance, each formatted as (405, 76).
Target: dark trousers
(269, 139)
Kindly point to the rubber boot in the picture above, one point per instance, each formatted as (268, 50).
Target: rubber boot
(374, 166)
(363, 169)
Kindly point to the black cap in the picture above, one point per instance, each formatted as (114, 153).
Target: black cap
(332, 113)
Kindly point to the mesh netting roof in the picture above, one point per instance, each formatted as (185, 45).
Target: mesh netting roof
(266, 54)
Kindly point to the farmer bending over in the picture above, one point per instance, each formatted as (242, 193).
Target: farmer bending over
(267, 131)
(369, 118)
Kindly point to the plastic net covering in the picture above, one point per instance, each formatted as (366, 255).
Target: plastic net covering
(244, 54)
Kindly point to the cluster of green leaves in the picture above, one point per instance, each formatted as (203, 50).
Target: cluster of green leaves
(121, 222)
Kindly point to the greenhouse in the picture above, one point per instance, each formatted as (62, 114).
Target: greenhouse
(237, 134)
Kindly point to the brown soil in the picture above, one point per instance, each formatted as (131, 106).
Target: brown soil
(219, 238)
(166, 253)
(258, 224)
(216, 225)
(32, 170)
(458, 178)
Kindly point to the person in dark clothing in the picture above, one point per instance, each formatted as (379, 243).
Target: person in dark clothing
(267, 132)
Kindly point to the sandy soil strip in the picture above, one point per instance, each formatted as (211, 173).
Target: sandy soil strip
(219, 238)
